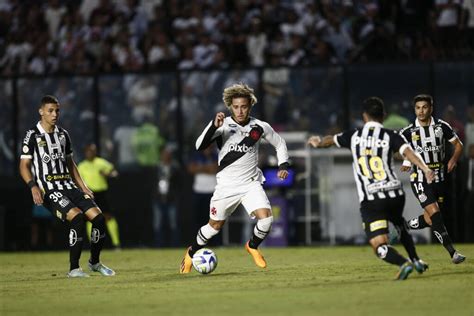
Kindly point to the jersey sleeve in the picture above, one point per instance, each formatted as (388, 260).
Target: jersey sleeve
(28, 145)
(68, 144)
(448, 131)
(343, 139)
(397, 143)
(276, 141)
(209, 134)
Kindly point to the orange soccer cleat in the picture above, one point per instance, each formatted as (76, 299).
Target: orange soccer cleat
(187, 263)
(257, 256)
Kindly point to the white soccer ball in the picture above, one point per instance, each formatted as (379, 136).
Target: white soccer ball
(204, 261)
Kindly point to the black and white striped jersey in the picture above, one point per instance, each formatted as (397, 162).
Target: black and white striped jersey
(48, 152)
(372, 148)
(238, 149)
(430, 143)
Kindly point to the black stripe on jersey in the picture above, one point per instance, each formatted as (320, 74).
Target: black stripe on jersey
(254, 135)
(207, 140)
(357, 154)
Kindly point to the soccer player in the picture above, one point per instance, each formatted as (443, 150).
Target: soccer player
(49, 170)
(428, 136)
(381, 194)
(95, 172)
(239, 180)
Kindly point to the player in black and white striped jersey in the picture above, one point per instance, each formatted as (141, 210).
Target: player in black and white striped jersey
(428, 137)
(48, 168)
(380, 192)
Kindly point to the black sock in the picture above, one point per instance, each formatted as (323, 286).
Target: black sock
(407, 242)
(76, 237)
(439, 230)
(254, 242)
(194, 247)
(418, 222)
(390, 255)
(97, 237)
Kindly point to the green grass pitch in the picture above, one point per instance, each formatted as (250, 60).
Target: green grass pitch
(298, 281)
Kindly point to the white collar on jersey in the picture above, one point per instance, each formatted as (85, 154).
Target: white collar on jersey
(417, 123)
(41, 129)
(373, 124)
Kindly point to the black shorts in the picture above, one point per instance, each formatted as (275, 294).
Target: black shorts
(60, 202)
(429, 193)
(376, 215)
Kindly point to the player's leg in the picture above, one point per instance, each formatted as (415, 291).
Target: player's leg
(257, 205)
(424, 193)
(112, 226)
(390, 255)
(76, 238)
(220, 209)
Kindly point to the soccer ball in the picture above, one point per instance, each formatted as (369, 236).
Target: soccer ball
(204, 261)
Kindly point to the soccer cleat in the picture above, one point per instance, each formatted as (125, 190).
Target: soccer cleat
(420, 266)
(187, 263)
(77, 273)
(458, 258)
(257, 256)
(103, 269)
(405, 270)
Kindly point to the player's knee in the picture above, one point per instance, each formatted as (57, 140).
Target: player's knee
(265, 223)
(217, 225)
(381, 251)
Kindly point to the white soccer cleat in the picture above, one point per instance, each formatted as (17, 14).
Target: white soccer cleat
(77, 273)
(102, 269)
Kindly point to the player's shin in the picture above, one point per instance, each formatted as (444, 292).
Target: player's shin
(260, 231)
(204, 234)
(439, 230)
(76, 236)
(97, 237)
(390, 255)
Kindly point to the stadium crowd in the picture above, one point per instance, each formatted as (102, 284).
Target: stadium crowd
(83, 37)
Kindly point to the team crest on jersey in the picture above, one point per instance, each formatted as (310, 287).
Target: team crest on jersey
(438, 131)
(62, 139)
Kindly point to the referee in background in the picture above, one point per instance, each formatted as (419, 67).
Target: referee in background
(47, 167)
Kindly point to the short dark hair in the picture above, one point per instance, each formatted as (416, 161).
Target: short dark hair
(423, 97)
(48, 99)
(374, 107)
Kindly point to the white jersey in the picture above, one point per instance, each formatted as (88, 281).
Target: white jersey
(238, 156)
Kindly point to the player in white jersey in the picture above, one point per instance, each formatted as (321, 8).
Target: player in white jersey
(239, 180)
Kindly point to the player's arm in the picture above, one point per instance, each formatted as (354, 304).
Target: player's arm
(415, 159)
(281, 150)
(210, 132)
(27, 176)
(318, 142)
(76, 176)
(458, 146)
(406, 165)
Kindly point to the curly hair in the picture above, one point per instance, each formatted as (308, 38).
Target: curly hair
(238, 90)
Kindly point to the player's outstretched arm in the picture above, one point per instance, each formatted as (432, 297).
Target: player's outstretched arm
(409, 154)
(25, 172)
(318, 142)
(453, 161)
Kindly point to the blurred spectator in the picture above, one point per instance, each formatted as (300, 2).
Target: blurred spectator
(165, 214)
(203, 166)
(42, 228)
(449, 115)
(146, 143)
(394, 120)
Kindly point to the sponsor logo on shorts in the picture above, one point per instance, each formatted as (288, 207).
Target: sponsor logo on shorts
(422, 197)
(59, 215)
(213, 211)
(63, 202)
(381, 224)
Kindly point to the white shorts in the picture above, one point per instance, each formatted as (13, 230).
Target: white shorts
(224, 201)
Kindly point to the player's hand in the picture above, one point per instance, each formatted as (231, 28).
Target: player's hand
(430, 175)
(314, 141)
(451, 165)
(37, 195)
(219, 120)
(405, 168)
(282, 174)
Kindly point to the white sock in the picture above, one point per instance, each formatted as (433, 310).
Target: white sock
(205, 233)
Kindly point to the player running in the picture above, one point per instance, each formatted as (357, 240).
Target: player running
(239, 180)
(381, 194)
